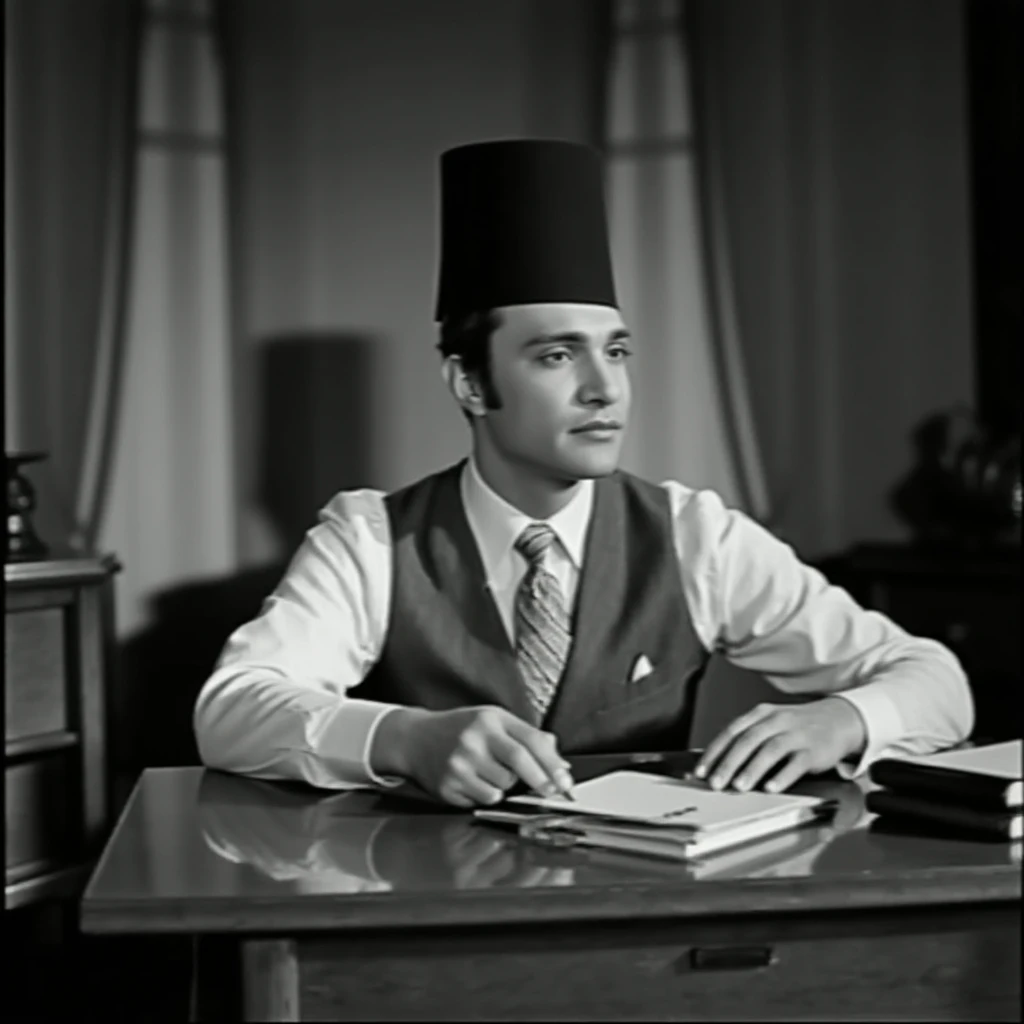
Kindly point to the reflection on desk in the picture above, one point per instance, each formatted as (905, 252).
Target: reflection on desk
(347, 842)
(362, 841)
(196, 847)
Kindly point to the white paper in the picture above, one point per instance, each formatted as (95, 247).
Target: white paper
(658, 800)
(1000, 759)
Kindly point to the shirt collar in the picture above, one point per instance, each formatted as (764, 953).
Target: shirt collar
(496, 524)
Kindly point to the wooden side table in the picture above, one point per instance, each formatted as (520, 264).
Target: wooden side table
(58, 640)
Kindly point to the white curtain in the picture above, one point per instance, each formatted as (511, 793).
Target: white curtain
(691, 418)
(169, 516)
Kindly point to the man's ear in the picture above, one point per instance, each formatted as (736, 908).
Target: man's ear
(464, 386)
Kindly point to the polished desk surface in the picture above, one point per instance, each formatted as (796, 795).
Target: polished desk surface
(201, 851)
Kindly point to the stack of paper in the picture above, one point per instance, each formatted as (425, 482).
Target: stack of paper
(678, 818)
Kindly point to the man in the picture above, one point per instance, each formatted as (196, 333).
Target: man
(469, 631)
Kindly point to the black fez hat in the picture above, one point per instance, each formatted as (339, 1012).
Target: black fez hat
(522, 220)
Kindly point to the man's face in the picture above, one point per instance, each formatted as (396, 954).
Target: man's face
(560, 371)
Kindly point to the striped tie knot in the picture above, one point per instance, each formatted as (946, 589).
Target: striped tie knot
(534, 541)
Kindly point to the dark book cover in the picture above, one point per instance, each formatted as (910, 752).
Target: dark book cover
(953, 785)
(995, 823)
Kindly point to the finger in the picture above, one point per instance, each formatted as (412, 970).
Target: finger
(492, 771)
(474, 746)
(765, 760)
(463, 781)
(718, 746)
(516, 756)
(452, 794)
(543, 747)
(480, 793)
(533, 756)
(792, 771)
(740, 751)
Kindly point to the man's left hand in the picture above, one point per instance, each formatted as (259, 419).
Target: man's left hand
(779, 743)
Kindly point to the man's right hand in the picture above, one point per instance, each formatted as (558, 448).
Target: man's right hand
(468, 756)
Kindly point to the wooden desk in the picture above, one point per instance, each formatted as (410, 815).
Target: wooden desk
(357, 907)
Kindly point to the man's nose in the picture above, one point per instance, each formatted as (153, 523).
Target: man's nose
(601, 384)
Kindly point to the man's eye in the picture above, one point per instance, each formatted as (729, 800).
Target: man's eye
(555, 358)
(620, 352)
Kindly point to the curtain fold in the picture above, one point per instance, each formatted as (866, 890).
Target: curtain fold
(727, 344)
(691, 418)
(169, 512)
(107, 376)
(69, 104)
(839, 138)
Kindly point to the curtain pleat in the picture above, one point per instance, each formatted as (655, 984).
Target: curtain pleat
(169, 513)
(727, 347)
(690, 417)
(69, 108)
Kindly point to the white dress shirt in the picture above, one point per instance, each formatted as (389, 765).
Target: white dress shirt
(496, 525)
(283, 701)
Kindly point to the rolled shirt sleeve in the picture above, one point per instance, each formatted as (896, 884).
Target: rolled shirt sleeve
(278, 704)
(753, 600)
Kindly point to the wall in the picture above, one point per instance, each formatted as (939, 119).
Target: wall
(342, 111)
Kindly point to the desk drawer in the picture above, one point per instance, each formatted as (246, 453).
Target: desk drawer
(35, 668)
(42, 823)
(877, 968)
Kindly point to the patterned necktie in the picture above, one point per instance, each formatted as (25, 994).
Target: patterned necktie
(541, 621)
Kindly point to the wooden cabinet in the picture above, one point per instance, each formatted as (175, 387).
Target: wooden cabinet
(58, 634)
(970, 600)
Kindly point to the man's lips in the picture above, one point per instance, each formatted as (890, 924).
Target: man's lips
(599, 426)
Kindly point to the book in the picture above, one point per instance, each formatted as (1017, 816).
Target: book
(680, 843)
(788, 854)
(679, 818)
(1004, 823)
(982, 777)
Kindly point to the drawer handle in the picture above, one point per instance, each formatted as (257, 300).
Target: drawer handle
(731, 958)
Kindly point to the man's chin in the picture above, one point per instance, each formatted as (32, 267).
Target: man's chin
(593, 466)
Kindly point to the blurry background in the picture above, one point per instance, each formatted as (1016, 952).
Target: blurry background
(221, 249)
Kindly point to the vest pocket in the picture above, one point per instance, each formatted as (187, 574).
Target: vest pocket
(627, 695)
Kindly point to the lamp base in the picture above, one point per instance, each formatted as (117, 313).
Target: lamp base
(23, 543)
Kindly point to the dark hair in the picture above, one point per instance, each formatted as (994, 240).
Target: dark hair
(468, 336)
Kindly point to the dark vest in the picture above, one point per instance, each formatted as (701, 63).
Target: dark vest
(446, 646)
